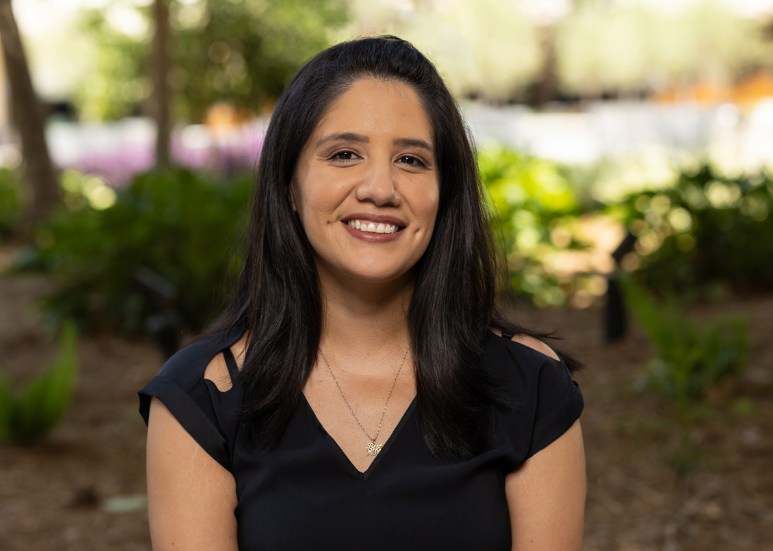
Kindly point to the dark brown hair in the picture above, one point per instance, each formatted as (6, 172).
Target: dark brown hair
(453, 304)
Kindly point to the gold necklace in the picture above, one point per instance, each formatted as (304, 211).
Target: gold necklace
(372, 448)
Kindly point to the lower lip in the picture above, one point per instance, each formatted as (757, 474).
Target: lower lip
(371, 237)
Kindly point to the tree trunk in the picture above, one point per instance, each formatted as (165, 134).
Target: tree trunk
(42, 190)
(546, 87)
(161, 92)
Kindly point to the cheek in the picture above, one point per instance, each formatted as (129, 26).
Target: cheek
(425, 208)
(317, 207)
(317, 198)
(428, 207)
(306, 195)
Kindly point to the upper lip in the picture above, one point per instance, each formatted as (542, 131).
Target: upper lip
(372, 217)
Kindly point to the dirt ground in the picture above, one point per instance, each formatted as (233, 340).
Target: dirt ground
(656, 479)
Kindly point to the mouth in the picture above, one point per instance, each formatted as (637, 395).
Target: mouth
(374, 223)
(367, 226)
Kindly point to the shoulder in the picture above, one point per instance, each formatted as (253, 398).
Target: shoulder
(181, 381)
(531, 342)
(547, 401)
(205, 413)
(520, 359)
(536, 378)
(189, 365)
(217, 368)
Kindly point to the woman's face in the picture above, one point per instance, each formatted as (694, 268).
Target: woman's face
(367, 186)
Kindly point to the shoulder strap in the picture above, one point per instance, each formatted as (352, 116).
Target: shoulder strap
(507, 335)
(230, 361)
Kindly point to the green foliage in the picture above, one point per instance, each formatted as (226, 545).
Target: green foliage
(239, 51)
(692, 356)
(704, 231)
(177, 224)
(37, 409)
(82, 191)
(246, 51)
(119, 82)
(10, 200)
(534, 210)
(702, 236)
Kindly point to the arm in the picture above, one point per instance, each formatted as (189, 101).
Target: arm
(546, 495)
(191, 497)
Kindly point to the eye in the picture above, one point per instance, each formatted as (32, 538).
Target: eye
(412, 161)
(345, 156)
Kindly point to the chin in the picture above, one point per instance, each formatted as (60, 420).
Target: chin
(379, 275)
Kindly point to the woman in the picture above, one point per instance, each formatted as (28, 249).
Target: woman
(359, 390)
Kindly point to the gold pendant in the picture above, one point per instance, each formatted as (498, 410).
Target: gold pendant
(372, 448)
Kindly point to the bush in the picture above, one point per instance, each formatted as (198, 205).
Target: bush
(177, 224)
(534, 209)
(36, 410)
(707, 230)
(692, 356)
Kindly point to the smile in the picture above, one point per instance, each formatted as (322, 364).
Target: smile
(372, 227)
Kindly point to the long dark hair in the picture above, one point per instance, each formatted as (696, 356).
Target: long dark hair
(277, 296)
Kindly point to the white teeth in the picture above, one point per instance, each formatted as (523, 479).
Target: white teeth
(371, 227)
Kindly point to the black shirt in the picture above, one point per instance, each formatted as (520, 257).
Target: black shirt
(306, 494)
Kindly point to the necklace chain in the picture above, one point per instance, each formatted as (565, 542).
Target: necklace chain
(383, 412)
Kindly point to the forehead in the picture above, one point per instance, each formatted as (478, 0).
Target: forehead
(375, 107)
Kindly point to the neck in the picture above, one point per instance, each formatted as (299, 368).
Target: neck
(361, 317)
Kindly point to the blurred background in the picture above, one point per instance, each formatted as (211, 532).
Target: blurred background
(625, 147)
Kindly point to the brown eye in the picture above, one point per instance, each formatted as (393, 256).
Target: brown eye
(412, 161)
(343, 156)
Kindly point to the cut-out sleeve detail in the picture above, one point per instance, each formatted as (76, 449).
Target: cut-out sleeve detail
(208, 415)
(189, 414)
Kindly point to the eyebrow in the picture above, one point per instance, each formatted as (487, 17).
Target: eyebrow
(354, 137)
(412, 142)
(348, 136)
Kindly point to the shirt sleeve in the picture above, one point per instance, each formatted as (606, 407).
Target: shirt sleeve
(195, 402)
(559, 403)
(546, 401)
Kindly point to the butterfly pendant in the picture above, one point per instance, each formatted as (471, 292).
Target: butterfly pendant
(372, 448)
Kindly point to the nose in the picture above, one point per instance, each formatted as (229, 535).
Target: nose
(378, 186)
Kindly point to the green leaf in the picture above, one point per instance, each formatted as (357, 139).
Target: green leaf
(692, 356)
(46, 399)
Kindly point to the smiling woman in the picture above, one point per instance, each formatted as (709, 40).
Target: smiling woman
(360, 387)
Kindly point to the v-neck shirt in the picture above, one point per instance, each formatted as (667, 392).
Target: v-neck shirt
(307, 494)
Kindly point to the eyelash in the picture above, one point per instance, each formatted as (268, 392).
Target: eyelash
(422, 164)
(335, 157)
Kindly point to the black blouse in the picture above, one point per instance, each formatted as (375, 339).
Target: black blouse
(306, 494)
